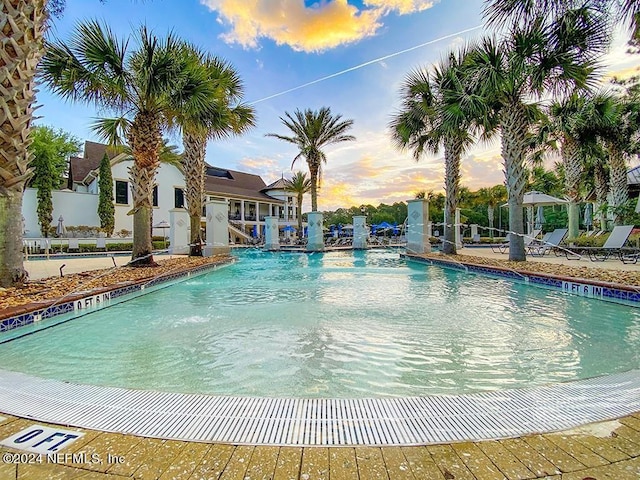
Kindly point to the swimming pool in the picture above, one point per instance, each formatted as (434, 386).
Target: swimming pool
(339, 324)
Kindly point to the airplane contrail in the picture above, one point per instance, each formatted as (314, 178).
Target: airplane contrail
(351, 69)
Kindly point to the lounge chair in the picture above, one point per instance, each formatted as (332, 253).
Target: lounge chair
(550, 244)
(504, 247)
(613, 245)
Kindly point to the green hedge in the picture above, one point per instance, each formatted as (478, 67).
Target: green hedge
(111, 247)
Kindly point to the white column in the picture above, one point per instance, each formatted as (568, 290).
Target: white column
(179, 232)
(271, 233)
(360, 233)
(456, 230)
(315, 242)
(418, 226)
(242, 211)
(217, 228)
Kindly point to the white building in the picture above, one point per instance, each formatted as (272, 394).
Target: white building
(250, 200)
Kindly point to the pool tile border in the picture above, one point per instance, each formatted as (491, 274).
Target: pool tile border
(98, 298)
(610, 292)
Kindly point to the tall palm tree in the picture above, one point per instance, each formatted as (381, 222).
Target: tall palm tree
(299, 185)
(546, 55)
(22, 45)
(222, 118)
(438, 110)
(144, 85)
(313, 130)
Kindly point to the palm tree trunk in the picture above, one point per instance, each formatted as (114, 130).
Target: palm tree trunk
(514, 134)
(194, 173)
(602, 190)
(12, 271)
(145, 140)
(300, 231)
(313, 174)
(618, 184)
(572, 176)
(490, 215)
(452, 153)
(22, 25)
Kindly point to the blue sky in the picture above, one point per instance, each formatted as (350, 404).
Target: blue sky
(277, 45)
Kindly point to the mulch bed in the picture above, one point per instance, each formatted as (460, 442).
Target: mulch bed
(57, 287)
(617, 277)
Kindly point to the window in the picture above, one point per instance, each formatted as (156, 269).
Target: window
(155, 195)
(179, 198)
(122, 192)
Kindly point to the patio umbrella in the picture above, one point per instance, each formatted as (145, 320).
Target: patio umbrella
(288, 228)
(60, 230)
(538, 198)
(254, 231)
(588, 215)
(163, 224)
(540, 220)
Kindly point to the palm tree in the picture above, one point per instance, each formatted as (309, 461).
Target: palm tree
(579, 121)
(493, 197)
(436, 111)
(619, 136)
(299, 184)
(313, 130)
(222, 118)
(547, 54)
(24, 24)
(144, 85)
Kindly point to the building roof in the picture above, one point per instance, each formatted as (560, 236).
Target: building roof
(231, 183)
(280, 184)
(218, 181)
(80, 167)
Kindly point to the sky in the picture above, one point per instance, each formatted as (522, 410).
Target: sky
(351, 56)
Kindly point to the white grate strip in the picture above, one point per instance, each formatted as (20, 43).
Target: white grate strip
(279, 421)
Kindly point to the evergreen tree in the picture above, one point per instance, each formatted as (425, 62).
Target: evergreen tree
(106, 210)
(44, 174)
(50, 149)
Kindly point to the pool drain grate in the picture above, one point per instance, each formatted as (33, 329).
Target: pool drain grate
(302, 422)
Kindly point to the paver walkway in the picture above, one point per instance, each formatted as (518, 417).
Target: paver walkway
(609, 450)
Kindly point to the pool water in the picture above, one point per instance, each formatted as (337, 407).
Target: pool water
(338, 324)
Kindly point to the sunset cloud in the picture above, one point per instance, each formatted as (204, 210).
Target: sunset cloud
(321, 26)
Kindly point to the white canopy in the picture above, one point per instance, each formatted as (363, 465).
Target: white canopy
(532, 199)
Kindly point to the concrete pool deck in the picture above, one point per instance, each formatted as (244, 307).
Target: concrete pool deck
(604, 450)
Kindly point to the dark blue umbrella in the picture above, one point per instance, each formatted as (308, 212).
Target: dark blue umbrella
(396, 230)
(289, 228)
(339, 229)
(254, 231)
(306, 231)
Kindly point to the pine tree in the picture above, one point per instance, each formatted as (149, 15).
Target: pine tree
(106, 210)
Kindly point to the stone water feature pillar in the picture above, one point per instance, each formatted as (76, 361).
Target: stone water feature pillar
(475, 237)
(360, 232)
(418, 226)
(217, 219)
(271, 234)
(456, 229)
(179, 232)
(315, 240)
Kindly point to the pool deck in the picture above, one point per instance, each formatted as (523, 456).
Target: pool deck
(605, 450)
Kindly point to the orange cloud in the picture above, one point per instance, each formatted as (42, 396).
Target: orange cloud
(322, 26)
